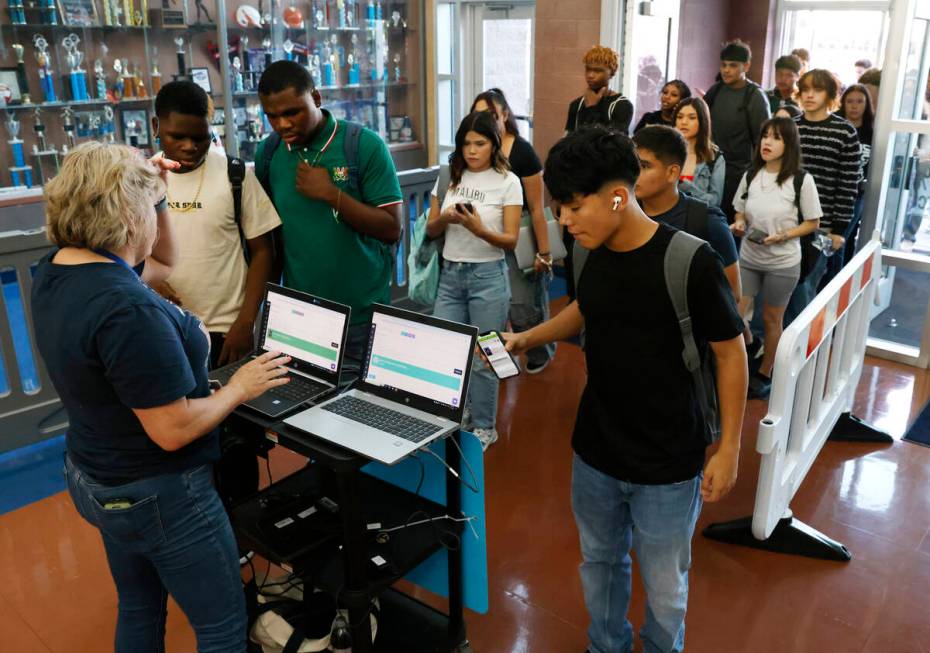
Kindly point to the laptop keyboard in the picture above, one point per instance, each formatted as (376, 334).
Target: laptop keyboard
(381, 418)
(299, 389)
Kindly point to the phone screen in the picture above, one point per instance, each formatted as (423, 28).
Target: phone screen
(757, 236)
(501, 361)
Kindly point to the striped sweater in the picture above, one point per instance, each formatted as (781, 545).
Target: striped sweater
(830, 149)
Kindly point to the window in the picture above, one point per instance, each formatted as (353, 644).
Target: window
(858, 29)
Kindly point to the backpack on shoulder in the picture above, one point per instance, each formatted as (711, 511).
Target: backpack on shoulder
(424, 263)
(678, 257)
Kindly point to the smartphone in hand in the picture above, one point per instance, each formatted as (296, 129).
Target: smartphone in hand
(502, 363)
(757, 236)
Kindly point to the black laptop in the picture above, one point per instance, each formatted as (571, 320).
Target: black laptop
(312, 331)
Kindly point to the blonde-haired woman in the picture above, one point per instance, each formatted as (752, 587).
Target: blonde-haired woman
(130, 368)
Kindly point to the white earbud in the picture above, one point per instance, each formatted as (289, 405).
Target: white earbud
(617, 202)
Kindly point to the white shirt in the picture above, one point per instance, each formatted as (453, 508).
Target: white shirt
(489, 191)
(209, 277)
(771, 208)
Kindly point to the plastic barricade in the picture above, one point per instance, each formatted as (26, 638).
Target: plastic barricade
(817, 369)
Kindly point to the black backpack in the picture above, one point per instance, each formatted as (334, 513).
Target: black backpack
(809, 254)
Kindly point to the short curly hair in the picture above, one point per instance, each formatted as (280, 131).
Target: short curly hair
(102, 198)
(601, 55)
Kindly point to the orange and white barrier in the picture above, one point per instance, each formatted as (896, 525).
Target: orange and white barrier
(817, 368)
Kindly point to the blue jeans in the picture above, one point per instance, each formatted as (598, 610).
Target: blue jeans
(657, 521)
(529, 306)
(806, 290)
(174, 539)
(476, 294)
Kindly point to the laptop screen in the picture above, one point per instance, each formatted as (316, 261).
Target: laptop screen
(306, 330)
(418, 358)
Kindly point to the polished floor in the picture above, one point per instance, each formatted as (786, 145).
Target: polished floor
(56, 594)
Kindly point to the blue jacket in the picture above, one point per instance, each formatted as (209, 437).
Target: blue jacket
(708, 184)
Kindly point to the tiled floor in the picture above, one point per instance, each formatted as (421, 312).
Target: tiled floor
(57, 595)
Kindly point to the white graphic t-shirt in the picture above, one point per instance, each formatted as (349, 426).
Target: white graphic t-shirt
(489, 191)
(209, 277)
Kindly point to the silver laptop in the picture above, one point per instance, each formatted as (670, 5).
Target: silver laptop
(412, 388)
(312, 331)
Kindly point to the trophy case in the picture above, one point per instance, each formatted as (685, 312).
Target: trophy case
(73, 70)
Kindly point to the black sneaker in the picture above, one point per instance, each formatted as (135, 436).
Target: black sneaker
(759, 386)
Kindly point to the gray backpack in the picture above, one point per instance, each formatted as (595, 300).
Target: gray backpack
(678, 259)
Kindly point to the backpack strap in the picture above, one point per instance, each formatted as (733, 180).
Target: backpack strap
(678, 257)
(711, 94)
(350, 147)
(696, 218)
(263, 163)
(235, 170)
(750, 175)
(798, 184)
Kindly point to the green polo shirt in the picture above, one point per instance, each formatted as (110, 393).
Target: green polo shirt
(323, 255)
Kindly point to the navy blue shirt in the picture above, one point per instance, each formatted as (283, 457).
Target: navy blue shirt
(718, 236)
(112, 344)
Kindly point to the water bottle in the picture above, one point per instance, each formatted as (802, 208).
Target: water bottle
(824, 243)
(341, 639)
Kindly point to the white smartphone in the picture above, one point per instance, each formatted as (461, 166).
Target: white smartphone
(501, 361)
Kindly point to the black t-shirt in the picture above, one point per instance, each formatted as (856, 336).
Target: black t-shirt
(524, 162)
(613, 111)
(652, 118)
(718, 236)
(111, 344)
(639, 420)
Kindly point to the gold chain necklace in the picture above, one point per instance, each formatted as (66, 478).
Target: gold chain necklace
(193, 203)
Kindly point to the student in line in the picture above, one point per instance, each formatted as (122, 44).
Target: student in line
(662, 151)
(529, 289)
(805, 56)
(704, 172)
(597, 106)
(787, 74)
(480, 218)
(767, 219)
(872, 80)
(830, 150)
(856, 107)
(672, 93)
(211, 278)
(639, 441)
(738, 107)
(340, 218)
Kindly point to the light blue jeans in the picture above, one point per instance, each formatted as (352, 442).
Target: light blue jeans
(174, 539)
(657, 521)
(476, 294)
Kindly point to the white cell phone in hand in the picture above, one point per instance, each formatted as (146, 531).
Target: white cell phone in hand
(502, 363)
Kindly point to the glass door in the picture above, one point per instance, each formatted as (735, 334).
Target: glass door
(897, 202)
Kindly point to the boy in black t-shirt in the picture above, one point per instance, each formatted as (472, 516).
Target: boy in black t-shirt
(639, 445)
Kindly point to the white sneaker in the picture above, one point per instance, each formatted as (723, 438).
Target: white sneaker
(487, 437)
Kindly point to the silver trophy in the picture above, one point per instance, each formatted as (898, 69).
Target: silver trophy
(67, 123)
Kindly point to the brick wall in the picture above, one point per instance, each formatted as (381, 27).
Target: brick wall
(702, 30)
(564, 32)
